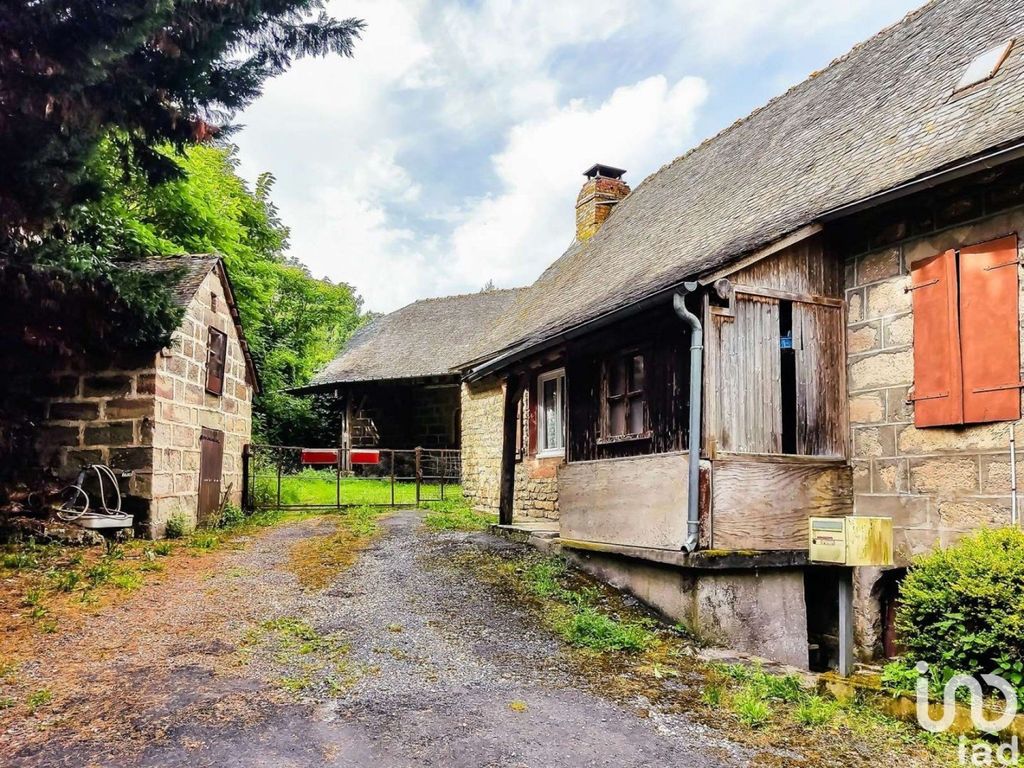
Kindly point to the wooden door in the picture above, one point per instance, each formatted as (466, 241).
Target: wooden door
(211, 464)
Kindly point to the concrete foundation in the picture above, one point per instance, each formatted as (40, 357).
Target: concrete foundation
(756, 611)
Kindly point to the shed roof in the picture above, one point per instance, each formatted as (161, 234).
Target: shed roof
(424, 339)
(879, 117)
(194, 270)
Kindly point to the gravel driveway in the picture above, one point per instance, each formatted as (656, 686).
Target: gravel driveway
(403, 660)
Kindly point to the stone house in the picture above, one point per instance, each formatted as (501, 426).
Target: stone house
(171, 423)
(850, 253)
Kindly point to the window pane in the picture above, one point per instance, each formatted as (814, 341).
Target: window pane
(637, 379)
(617, 377)
(636, 416)
(618, 418)
(552, 414)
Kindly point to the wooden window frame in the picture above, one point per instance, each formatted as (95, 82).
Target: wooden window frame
(628, 395)
(216, 366)
(558, 376)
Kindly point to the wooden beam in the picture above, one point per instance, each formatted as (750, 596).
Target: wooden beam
(514, 386)
(781, 244)
(801, 298)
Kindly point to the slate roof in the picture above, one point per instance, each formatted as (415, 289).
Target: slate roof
(426, 338)
(880, 116)
(196, 266)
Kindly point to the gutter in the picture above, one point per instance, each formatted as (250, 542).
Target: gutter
(696, 380)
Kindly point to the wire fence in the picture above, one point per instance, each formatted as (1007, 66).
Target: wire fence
(293, 477)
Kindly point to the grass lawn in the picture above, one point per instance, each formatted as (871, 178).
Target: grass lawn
(319, 487)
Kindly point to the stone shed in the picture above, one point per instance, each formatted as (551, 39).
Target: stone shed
(171, 423)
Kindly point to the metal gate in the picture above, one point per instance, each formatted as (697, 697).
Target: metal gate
(294, 477)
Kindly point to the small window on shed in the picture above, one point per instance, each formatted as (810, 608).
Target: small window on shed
(984, 65)
(625, 397)
(216, 357)
(967, 335)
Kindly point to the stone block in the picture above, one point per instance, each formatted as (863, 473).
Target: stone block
(145, 384)
(885, 369)
(944, 475)
(862, 338)
(897, 408)
(898, 331)
(867, 408)
(982, 437)
(129, 407)
(53, 436)
(972, 513)
(185, 437)
(855, 306)
(74, 411)
(163, 387)
(878, 266)
(889, 476)
(905, 511)
(131, 458)
(995, 473)
(888, 298)
(874, 442)
(106, 385)
(861, 476)
(186, 482)
(110, 433)
(61, 385)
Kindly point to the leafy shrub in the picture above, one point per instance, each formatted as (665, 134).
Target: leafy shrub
(231, 515)
(455, 515)
(815, 710)
(963, 608)
(177, 526)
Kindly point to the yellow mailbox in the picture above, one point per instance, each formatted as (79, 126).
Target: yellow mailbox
(851, 540)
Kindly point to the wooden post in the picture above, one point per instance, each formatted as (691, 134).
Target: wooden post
(279, 481)
(514, 386)
(419, 473)
(246, 495)
(846, 622)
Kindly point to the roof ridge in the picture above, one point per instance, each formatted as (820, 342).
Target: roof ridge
(490, 292)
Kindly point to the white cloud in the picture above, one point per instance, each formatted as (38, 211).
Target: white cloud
(512, 236)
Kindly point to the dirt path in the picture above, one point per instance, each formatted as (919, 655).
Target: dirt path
(400, 661)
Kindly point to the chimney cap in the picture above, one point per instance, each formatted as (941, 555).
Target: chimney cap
(605, 171)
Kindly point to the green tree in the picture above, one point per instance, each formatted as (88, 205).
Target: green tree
(98, 92)
(294, 323)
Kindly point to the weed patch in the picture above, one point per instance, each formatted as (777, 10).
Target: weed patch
(456, 514)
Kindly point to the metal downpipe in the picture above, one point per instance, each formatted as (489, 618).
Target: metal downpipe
(696, 380)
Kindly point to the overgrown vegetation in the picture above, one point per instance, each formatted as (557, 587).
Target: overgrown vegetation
(640, 658)
(456, 514)
(316, 561)
(962, 611)
(320, 487)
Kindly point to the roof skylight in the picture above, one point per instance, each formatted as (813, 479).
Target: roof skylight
(984, 65)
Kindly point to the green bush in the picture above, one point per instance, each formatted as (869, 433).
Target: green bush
(963, 608)
(230, 516)
(177, 526)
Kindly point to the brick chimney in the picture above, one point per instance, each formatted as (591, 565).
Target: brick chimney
(602, 190)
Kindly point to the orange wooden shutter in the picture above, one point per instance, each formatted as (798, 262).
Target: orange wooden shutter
(990, 331)
(938, 389)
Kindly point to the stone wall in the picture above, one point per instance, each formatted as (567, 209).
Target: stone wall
(537, 487)
(435, 416)
(96, 411)
(184, 407)
(936, 483)
(483, 405)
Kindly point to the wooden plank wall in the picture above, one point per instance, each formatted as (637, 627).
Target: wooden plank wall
(638, 501)
(743, 386)
(764, 505)
(822, 410)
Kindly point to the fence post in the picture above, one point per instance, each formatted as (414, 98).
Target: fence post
(337, 480)
(419, 473)
(279, 481)
(443, 468)
(246, 497)
(392, 477)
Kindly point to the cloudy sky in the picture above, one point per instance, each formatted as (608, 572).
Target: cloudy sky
(448, 152)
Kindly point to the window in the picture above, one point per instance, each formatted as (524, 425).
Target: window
(551, 413)
(625, 401)
(966, 335)
(216, 356)
(984, 66)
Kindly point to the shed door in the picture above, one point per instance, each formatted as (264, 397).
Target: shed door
(211, 463)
